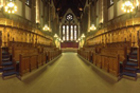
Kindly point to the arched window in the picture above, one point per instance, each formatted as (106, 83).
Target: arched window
(63, 32)
(69, 17)
(75, 32)
(69, 31)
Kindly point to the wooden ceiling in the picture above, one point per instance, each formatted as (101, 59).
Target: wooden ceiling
(63, 5)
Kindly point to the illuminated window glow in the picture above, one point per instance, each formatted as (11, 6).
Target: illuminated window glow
(71, 32)
(75, 32)
(69, 17)
(67, 33)
(63, 33)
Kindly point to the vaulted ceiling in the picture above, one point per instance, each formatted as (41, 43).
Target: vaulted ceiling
(63, 5)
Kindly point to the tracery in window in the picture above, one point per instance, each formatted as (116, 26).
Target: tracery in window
(69, 30)
(69, 17)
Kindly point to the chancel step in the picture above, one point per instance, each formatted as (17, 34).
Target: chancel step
(134, 60)
(129, 74)
(9, 73)
(7, 63)
(5, 56)
(130, 69)
(132, 64)
(5, 59)
(8, 68)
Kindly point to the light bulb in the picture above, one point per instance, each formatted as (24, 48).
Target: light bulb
(9, 11)
(11, 4)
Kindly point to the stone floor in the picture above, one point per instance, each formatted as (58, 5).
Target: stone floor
(69, 74)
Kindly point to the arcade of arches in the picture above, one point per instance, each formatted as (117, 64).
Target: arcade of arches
(69, 46)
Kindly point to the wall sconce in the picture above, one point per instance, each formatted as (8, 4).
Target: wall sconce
(83, 36)
(129, 6)
(55, 36)
(46, 28)
(92, 27)
(77, 41)
(59, 39)
(62, 41)
(10, 6)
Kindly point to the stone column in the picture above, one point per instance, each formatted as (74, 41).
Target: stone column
(88, 19)
(115, 8)
(33, 10)
(37, 11)
(43, 16)
(105, 12)
(137, 11)
(23, 8)
(94, 14)
(49, 16)
(60, 30)
(79, 30)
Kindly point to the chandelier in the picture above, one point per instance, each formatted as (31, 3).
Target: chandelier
(129, 6)
(10, 6)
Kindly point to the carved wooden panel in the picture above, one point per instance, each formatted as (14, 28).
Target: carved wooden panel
(33, 62)
(24, 65)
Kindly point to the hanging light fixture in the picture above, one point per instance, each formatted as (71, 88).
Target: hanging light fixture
(55, 36)
(10, 6)
(62, 41)
(77, 41)
(129, 5)
(83, 36)
(92, 27)
(46, 28)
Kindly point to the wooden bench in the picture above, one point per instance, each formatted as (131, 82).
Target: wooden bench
(29, 62)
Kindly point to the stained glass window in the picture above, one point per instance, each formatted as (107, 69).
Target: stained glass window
(71, 32)
(67, 33)
(75, 32)
(69, 17)
(64, 32)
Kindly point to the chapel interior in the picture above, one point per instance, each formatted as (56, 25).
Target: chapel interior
(70, 46)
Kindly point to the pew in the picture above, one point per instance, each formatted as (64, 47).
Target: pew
(107, 56)
(27, 57)
(30, 62)
(109, 63)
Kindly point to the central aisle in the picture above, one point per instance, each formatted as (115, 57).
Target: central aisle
(69, 74)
